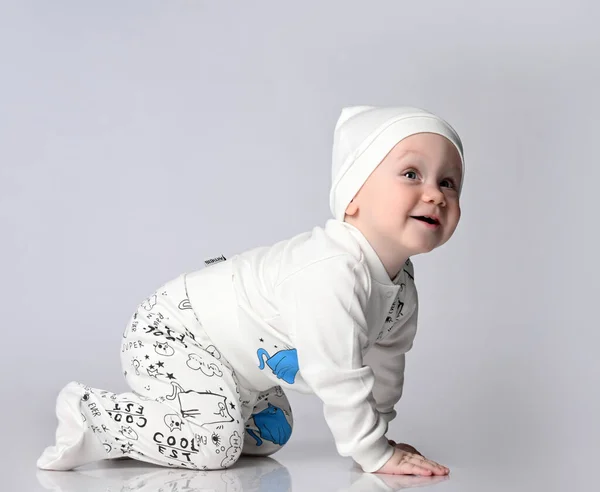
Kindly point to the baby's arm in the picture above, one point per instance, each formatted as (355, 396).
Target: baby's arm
(387, 359)
(325, 305)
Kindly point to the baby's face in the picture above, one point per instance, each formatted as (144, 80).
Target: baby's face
(421, 175)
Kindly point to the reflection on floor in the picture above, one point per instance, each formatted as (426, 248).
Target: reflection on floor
(250, 474)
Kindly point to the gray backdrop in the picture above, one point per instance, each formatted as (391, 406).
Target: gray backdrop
(139, 138)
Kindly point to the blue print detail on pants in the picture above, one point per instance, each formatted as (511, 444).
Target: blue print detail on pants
(284, 363)
(272, 426)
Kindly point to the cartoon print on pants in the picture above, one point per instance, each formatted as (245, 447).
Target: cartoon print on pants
(128, 432)
(173, 421)
(185, 304)
(212, 350)
(149, 303)
(163, 349)
(153, 371)
(272, 426)
(284, 363)
(136, 365)
(233, 450)
(196, 363)
(191, 402)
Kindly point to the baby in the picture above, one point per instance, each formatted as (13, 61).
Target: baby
(210, 355)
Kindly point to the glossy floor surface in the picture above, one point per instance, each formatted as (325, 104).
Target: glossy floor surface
(304, 468)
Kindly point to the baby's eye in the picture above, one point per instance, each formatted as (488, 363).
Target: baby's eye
(449, 181)
(410, 172)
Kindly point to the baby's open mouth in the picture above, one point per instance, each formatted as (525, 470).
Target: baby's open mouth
(424, 218)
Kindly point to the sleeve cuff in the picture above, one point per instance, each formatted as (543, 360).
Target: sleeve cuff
(388, 416)
(377, 455)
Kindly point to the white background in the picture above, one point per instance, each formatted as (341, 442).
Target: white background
(139, 138)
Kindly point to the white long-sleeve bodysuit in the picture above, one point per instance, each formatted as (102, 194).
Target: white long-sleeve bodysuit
(316, 313)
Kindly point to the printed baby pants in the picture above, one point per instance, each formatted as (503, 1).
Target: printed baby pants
(186, 407)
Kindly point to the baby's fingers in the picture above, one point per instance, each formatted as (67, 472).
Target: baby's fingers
(412, 468)
(429, 465)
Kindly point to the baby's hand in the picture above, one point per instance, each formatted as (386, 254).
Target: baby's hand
(411, 463)
(404, 447)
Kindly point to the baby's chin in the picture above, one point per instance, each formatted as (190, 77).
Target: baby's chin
(417, 247)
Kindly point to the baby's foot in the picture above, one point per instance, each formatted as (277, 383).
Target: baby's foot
(74, 446)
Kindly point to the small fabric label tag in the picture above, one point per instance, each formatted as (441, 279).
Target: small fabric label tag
(212, 261)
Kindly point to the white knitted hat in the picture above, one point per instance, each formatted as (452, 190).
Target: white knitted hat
(364, 135)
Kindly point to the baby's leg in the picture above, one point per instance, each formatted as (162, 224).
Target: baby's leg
(270, 426)
(183, 410)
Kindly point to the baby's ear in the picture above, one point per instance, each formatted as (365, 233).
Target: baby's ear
(352, 208)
